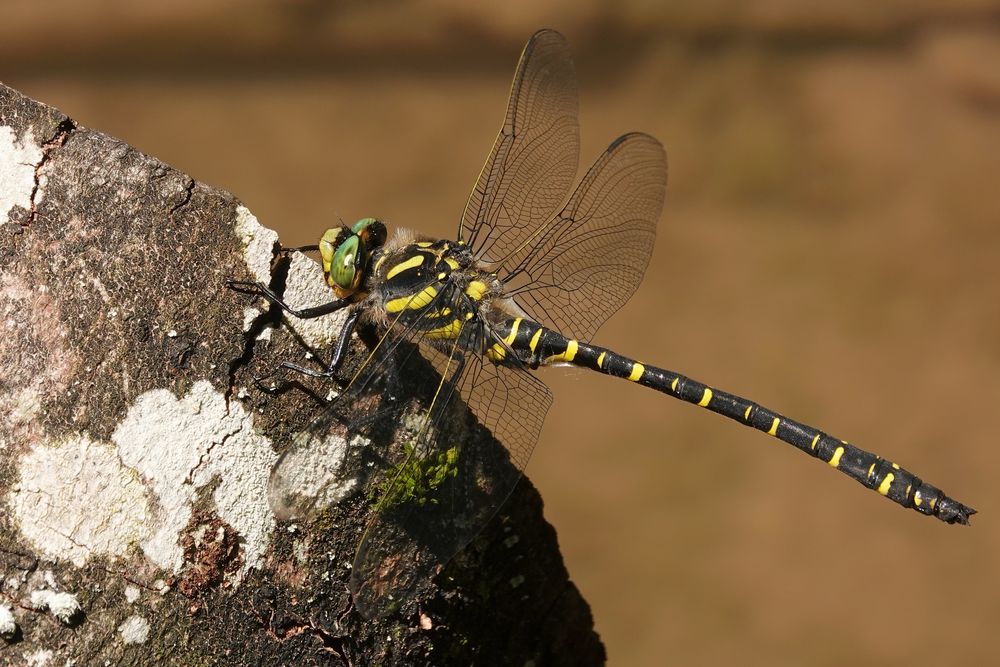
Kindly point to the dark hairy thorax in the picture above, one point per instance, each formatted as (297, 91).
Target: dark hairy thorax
(437, 289)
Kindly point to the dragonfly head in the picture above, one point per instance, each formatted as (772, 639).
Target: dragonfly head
(347, 252)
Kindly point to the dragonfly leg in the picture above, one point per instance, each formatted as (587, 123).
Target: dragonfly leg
(302, 369)
(260, 289)
(302, 248)
(343, 341)
(339, 351)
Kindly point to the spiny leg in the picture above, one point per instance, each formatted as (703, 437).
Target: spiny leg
(343, 340)
(314, 247)
(260, 289)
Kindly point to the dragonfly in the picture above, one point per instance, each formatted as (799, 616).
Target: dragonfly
(533, 274)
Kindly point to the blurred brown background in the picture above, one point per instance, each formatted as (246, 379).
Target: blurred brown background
(830, 248)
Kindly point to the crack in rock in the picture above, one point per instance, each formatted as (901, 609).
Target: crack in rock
(188, 193)
(58, 140)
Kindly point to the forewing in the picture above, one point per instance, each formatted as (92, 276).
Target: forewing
(533, 160)
(316, 467)
(592, 256)
(406, 542)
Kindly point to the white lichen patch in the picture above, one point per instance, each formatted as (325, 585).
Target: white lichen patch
(24, 406)
(305, 285)
(39, 658)
(64, 606)
(134, 630)
(305, 288)
(8, 624)
(182, 444)
(18, 160)
(309, 476)
(73, 499)
(258, 244)
(131, 593)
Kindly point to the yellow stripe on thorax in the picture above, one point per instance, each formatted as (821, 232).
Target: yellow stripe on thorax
(437, 314)
(413, 302)
(449, 331)
(411, 263)
(476, 289)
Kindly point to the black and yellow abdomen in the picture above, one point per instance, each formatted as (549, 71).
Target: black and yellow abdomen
(535, 345)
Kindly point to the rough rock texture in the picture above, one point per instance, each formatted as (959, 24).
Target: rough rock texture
(136, 451)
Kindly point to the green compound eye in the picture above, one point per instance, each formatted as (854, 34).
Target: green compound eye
(343, 268)
(361, 224)
(347, 253)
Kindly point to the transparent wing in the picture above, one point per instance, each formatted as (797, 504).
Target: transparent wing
(438, 475)
(591, 257)
(351, 437)
(462, 475)
(533, 160)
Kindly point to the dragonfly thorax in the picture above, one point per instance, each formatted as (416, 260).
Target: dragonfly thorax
(436, 286)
